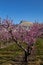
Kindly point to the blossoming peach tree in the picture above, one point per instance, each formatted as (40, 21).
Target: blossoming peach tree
(9, 31)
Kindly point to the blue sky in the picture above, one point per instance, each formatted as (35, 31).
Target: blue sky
(29, 10)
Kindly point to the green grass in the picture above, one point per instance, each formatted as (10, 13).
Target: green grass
(13, 51)
(39, 47)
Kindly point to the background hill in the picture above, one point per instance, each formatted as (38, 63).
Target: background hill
(26, 24)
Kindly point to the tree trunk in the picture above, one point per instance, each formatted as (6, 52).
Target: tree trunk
(27, 53)
(25, 59)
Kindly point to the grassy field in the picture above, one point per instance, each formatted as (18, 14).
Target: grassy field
(13, 52)
(39, 47)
